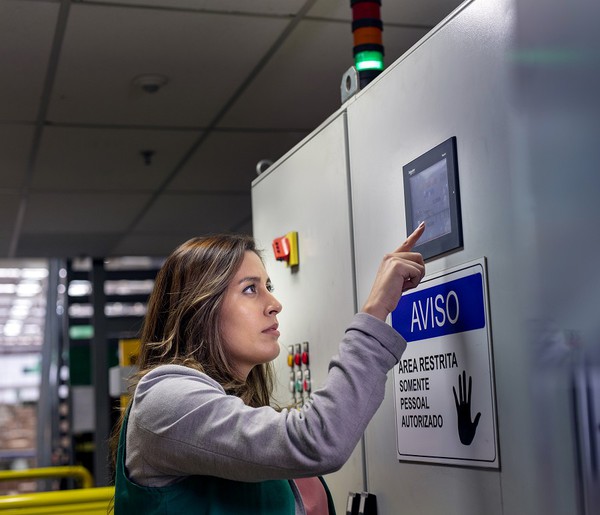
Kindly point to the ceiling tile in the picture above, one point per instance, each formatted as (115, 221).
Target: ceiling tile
(306, 71)
(151, 243)
(84, 159)
(4, 243)
(66, 245)
(215, 167)
(199, 213)
(26, 34)
(266, 7)
(15, 146)
(81, 212)
(205, 57)
(397, 41)
(9, 207)
(245, 228)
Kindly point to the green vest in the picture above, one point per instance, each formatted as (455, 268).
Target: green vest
(206, 495)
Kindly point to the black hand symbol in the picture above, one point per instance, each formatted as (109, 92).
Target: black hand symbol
(466, 428)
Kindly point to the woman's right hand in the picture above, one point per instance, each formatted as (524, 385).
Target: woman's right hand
(399, 271)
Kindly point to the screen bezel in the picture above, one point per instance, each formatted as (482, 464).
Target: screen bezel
(452, 240)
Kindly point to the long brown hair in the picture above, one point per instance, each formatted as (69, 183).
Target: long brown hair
(182, 321)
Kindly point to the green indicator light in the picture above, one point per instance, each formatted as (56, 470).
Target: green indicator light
(81, 332)
(369, 60)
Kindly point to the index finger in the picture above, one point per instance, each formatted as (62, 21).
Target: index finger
(411, 241)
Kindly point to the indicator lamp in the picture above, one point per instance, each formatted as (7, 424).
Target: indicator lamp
(369, 60)
(367, 29)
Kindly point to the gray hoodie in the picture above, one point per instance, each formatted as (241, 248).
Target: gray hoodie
(183, 423)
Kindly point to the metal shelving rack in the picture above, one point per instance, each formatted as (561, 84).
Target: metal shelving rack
(110, 307)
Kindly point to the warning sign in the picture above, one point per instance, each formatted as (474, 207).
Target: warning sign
(443, 384)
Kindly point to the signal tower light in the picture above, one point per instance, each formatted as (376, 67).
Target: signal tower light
(367, 29)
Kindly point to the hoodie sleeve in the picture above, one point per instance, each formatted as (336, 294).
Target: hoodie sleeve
(182, 422)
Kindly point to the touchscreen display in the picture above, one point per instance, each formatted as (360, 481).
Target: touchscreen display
(431, 201)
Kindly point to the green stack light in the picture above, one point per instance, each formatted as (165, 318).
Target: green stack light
(368, 60)
(367, 29)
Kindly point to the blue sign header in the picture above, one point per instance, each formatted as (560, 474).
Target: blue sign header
(448, 308)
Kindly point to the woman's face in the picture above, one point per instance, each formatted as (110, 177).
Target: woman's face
(248, 318)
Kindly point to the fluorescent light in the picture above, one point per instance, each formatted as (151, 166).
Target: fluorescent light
(19, 312)
(80, 288)
(13, 328)
(28, 289)
(34, 273)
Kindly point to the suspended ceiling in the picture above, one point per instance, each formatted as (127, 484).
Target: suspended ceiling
(246, 80)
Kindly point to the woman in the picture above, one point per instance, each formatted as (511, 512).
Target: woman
(199, 435)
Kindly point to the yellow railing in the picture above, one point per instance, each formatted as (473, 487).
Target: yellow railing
(74, 471)
(81, 501)
(84, 501)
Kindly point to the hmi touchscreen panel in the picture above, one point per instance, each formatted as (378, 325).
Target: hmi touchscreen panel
(432, 195)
